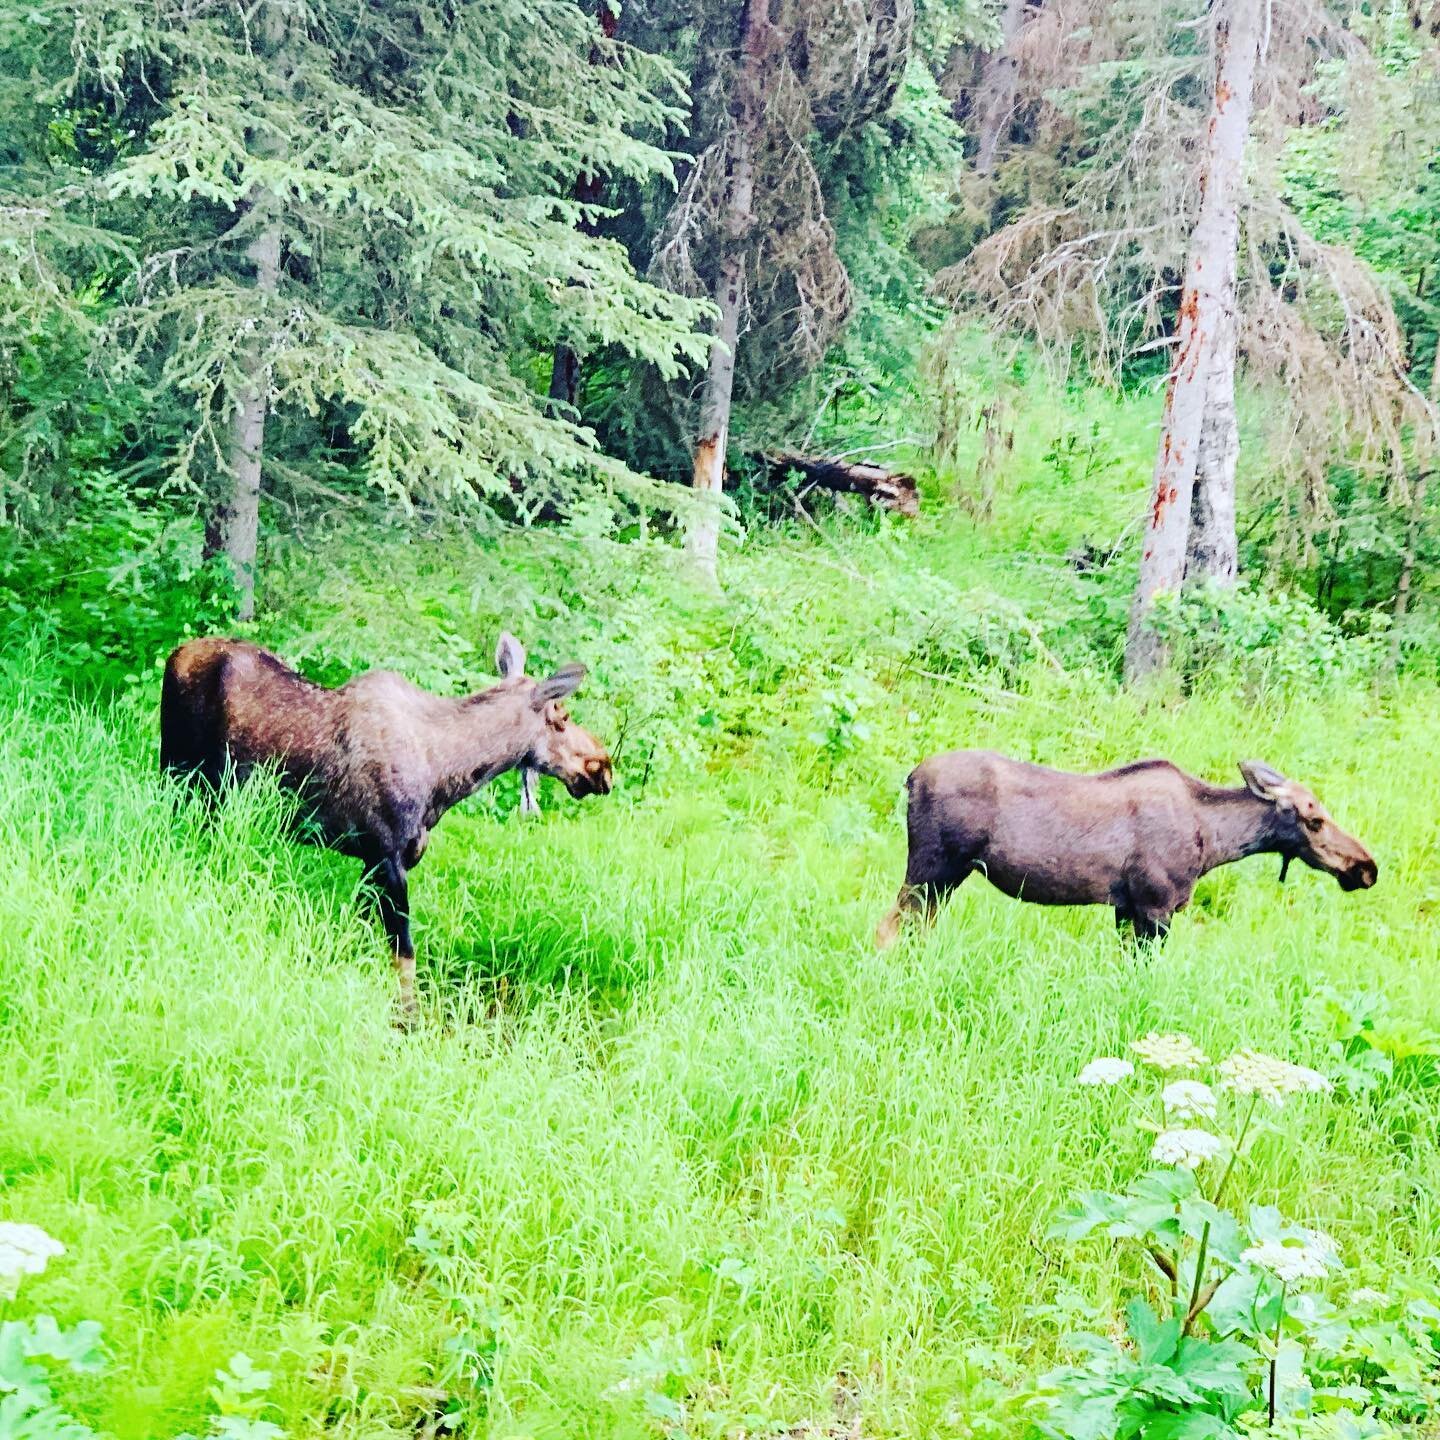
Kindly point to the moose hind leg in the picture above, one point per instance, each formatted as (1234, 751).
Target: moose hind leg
(916, 902)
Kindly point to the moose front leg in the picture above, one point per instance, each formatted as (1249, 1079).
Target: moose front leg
(393, 902)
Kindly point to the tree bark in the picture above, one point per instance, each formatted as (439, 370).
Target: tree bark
(565, 366)
(746, 116)
(234, 526)
(1207, 300)
(234, 530)
(996, 96)
(889, 489)
(1211, 547)
(1412, 538)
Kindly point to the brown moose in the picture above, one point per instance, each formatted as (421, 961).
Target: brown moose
(1137, 838)
(377, 761)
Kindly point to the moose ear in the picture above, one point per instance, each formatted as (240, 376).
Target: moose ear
(565, 681)
(1264, 782)
(509, 656)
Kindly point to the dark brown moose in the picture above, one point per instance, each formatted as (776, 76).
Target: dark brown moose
(377, 761)
(1137, 838)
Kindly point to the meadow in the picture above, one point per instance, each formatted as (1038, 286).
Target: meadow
(674, 1150)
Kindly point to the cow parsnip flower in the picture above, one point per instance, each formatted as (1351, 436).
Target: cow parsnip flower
(1167, 1053)
(1189, 1148)
(1189, 1100)
(24, 1250)
(1105, 1070)
(1308, 1255)
(1248, 1072)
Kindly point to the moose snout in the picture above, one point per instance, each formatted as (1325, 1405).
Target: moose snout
(1361, 875)
(596, 778)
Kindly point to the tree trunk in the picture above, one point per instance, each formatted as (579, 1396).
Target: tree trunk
(996, 98)
(565, 376)
(565, 366)
(1211, 546)
(1412, 537)
(1206, 302)
(746, 115)
(234, 530)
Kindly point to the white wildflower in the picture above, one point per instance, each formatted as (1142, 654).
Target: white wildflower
(1366, 1296)
(1248, 1072)
(1190, 1148)
(1169, 1052)
(1189, 1100)
(1107, 1070)
(24, 1250)
(1307, 1255)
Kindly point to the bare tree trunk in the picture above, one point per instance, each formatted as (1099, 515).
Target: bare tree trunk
(234, 529)
(747, 112)
(1407, 567)
(997, 87)
(234, 526)
(565, 367)
(1412, 536)
(565, 376)
(1211, 547)
(1208, 298)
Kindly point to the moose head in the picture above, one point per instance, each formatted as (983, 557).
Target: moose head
(1303, 829)
(559, 747)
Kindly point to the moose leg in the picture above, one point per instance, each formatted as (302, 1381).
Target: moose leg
(1151, 927)
(392, 899)
(920, 902)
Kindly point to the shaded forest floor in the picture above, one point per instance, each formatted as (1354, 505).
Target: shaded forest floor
(673, 1145)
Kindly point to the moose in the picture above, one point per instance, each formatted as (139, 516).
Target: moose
(1136, 838)
(376, 761)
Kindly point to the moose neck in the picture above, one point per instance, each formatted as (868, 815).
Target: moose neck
(483, 736)
(1234, 824)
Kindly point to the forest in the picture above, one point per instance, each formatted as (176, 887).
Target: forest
(841, 385)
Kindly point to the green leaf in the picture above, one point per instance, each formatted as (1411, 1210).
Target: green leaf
(1217, 1366)
(1085, 1214)
(1155, 1339)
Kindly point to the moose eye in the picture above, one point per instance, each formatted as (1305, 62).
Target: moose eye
(1313, 822)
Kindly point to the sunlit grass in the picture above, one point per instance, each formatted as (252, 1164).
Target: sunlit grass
(677, 1119)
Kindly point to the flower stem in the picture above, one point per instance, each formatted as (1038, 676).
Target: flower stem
(1193, 1310)
(1275, 1359)
(1235, 1153)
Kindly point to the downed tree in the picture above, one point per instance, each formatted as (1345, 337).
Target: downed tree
(890, 489)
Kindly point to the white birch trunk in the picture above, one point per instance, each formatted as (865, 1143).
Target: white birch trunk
(1210, 552)
(1208, 297)
(747, 111)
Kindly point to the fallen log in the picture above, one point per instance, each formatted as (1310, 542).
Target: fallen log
(890, 489)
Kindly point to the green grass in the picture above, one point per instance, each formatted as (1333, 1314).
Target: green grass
(671, 1129)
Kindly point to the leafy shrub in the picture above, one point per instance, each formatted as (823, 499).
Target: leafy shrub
(113, 592)
(1262, 639)
(33, 1348)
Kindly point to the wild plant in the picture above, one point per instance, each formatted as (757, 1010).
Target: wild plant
(1234, 1326)
(33, 1347)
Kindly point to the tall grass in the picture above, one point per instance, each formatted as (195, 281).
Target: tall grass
(671, 1128)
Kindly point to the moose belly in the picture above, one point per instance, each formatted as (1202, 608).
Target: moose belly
(1062, 865)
